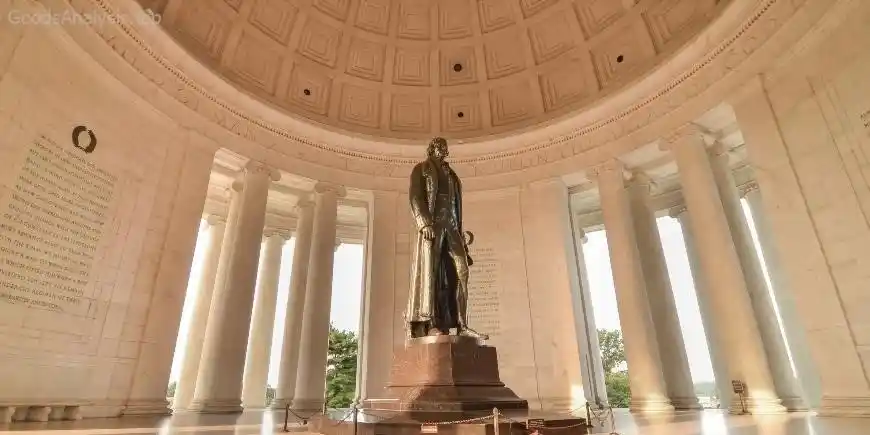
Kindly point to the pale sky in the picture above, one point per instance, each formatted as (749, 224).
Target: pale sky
(347, 292)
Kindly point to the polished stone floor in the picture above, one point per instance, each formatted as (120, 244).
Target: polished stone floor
(703, 423)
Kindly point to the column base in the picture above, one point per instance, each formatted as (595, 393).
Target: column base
(842, 406)
(650, 406)
(307, 405)
(757, 406)
(215, 406)
(794, 404)
(280, 403)
(686, 403)
(147, 407)
(6, 413)
(38, 413)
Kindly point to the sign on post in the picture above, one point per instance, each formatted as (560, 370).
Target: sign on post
(535, 424)
(428, 428)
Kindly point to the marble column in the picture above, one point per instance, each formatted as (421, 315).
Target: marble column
(663, 308)
(648, 389)
(286, 388)
(724, 281)
(806, 375)
(219, 384)
(720, 370)
(762, 304)
(383, 250)
(263, 322)
(590, 349)
(186, 384)
(311, 375)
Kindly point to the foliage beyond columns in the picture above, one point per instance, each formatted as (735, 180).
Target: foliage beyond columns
(341, 365)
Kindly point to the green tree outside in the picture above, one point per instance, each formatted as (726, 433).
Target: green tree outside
(341, 368)
(613, 358)
(170, 390)
(270, 394)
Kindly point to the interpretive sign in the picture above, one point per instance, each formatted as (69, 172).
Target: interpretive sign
(53, 216)
(428, 428)
(535, 423)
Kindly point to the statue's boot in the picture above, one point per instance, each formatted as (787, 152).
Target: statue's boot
(468, 332)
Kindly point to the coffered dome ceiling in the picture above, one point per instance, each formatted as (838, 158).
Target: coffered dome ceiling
(411, 69)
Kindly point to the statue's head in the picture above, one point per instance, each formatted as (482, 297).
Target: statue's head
(437, 148)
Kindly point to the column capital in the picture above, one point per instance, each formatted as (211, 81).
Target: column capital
(747, 188)
(303, 205)
(213, 219)
(256, 167)
(280, 232)
(640, 180)
(676, 212)
(687, 134)
(581, 233)
(613, 166)
(323, 187)
(718, 149)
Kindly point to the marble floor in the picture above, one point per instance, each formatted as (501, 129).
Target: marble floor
(694, 423)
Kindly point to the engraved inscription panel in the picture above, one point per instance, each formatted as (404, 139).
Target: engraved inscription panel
(484, 288)
(51, 224)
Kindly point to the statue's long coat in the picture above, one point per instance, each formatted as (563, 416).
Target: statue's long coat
(424, 188)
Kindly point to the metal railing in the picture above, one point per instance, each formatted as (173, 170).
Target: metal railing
(600, 417)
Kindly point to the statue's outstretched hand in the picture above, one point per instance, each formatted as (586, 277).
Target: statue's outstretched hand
(428, 232)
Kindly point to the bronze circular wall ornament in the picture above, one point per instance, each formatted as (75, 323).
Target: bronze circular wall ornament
(76, 134)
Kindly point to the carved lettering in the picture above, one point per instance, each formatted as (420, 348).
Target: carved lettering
(484, 282)
(52, 223)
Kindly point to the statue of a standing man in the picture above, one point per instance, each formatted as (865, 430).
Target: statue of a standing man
(438, 300)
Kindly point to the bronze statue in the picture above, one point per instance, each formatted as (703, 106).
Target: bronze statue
(438, 300)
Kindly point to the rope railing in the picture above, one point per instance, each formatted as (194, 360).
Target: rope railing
(601, 416)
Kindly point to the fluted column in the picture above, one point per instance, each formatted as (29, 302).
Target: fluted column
(590, 349)
(219, 384)
(720, 369)
(186, 384)
(286, 388)
(663, 309)
(310, 380)
(263, 322)
(795, 337)
(648, 390)
(723, 277)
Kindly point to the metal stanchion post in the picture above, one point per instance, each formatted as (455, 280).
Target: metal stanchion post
(355, 420)
(286, 416)
(495, 421)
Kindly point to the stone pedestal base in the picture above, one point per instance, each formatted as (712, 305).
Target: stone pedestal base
(446, 378)
(449, 381)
